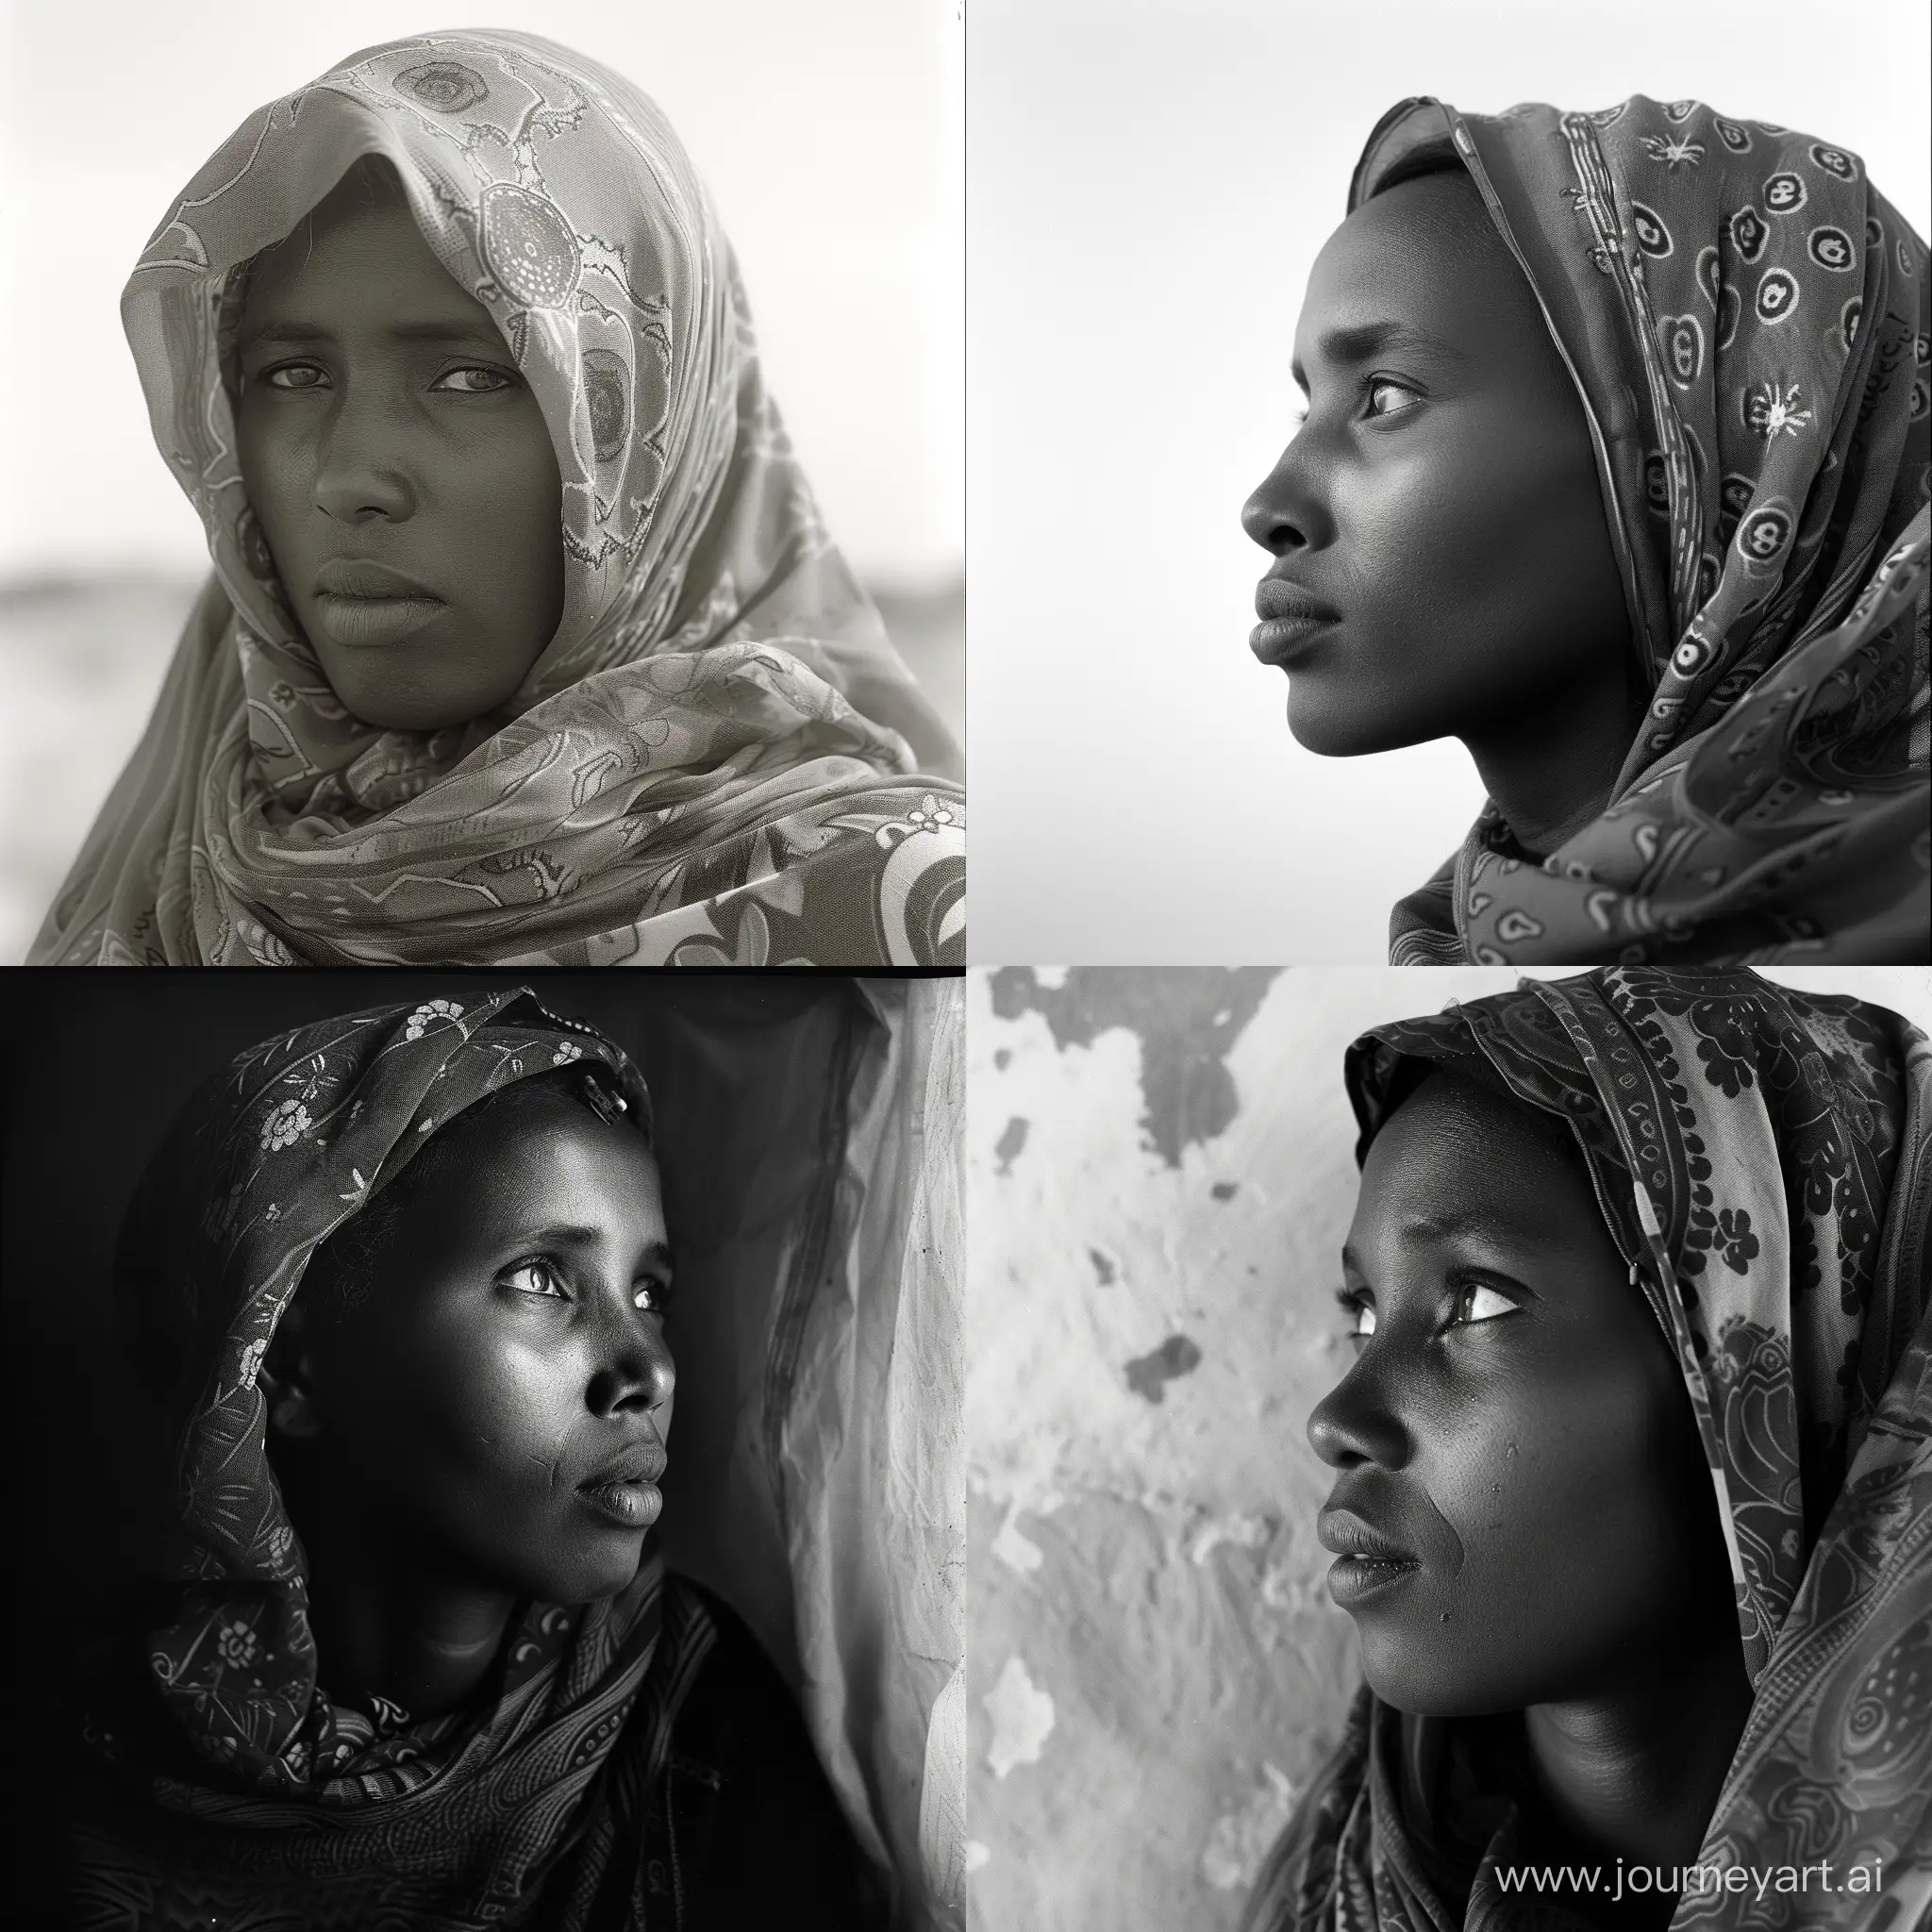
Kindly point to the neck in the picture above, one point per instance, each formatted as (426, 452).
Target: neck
(393, 1621)
(1635, 1773)
(1551, 767)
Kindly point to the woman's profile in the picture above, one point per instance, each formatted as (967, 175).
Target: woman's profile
(1631, 1468)
(524, 641)
(411, 1652)
(1614, 468)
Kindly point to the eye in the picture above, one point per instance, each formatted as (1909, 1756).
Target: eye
(653, 1297)
(537, 1276)
(1478, 1302)
(1360, 1309)
(1387, 398)
(301, 375)
(494, 379)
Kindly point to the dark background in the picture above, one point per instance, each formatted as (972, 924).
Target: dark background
(748, 1076)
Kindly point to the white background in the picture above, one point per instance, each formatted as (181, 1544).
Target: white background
(1148, 182)
(829, 133)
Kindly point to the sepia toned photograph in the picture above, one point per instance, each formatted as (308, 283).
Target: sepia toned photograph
(454, 589)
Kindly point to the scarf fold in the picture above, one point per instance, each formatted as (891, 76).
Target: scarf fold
(1763, 1159)
(1746, 320)
(231, 1770)
(715, 759)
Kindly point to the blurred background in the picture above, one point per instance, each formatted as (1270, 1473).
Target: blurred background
(830, 137)
(1160, 1178)
(1148, 183)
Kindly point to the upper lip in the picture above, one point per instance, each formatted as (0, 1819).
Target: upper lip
(1276, 597)
(1345, 1534)
(636, 1462)
(350, 577)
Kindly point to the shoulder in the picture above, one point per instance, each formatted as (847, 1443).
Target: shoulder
(760, 1834)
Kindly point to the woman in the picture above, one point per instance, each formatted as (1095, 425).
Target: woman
(412, 1657)
(523, 641)
(1634, 1468)
(1615, 469)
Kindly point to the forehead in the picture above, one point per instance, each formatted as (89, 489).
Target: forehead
(1423, 255)
(536, 1153)
(358, 252)
(1457, 1158)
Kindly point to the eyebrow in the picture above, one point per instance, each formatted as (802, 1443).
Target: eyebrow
(309, 332)
(656, 1255)
(1451, 1225)
(1358, 342)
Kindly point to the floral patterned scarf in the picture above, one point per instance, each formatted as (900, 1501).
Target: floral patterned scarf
(1764, 1160)
(714, 760)
(1746, 319)
(229, 1780)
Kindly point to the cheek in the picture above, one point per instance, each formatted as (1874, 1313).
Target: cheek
(1477, 530)
(503, 530)
(1561, 1493)
(476, 1424)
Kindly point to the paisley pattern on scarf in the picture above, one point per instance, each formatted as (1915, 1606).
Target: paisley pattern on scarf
(1747, 320)
(233, 1778)
(714, 760)
(1764, 1158)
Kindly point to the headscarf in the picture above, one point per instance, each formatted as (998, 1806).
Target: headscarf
(1763, 1159)
(1745, 318)
(708, 764)
(230, 1776)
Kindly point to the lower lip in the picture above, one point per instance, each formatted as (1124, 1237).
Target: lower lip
(1280, 639)
(1352, 1579)
(374, 620)
(629, 1505)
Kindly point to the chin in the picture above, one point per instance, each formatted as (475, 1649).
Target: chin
(388, 703)
(1338, 724)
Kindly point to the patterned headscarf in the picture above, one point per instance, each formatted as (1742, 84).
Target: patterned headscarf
(1764, 1161)
(1745, 319)
(709, 763)
(274, 1794)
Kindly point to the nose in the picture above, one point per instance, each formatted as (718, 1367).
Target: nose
(1285, 513)
(358, 476)
(633, 1367)
(1354, 1423)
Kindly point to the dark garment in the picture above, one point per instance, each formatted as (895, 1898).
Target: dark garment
(746, 1830)
(737, 1826)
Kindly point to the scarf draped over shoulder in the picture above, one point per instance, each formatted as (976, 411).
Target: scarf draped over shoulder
(1764, 1160)
(1745, 318)
(233, 1771)
(715, 759)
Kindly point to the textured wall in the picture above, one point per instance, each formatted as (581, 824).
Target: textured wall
(1160, 1178)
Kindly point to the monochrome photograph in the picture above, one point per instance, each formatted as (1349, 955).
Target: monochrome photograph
(1449, 1449)
(1448, 484)
(526, 638)
(396, 1597)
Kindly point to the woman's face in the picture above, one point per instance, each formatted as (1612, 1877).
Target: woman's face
(1513, 1426)
(1442, 561)
(399, 466)
(495, 1398)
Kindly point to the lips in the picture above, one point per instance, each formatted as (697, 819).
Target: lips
(346, 576)
(638, 1462)
(624, 1491)
(1288, 617)
(1367, 1561)
(1277, 599)
(1346, 1534)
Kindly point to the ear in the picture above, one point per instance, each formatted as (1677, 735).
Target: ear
(287, 1382)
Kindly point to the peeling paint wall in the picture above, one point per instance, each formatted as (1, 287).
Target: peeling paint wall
(1160, 1178)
